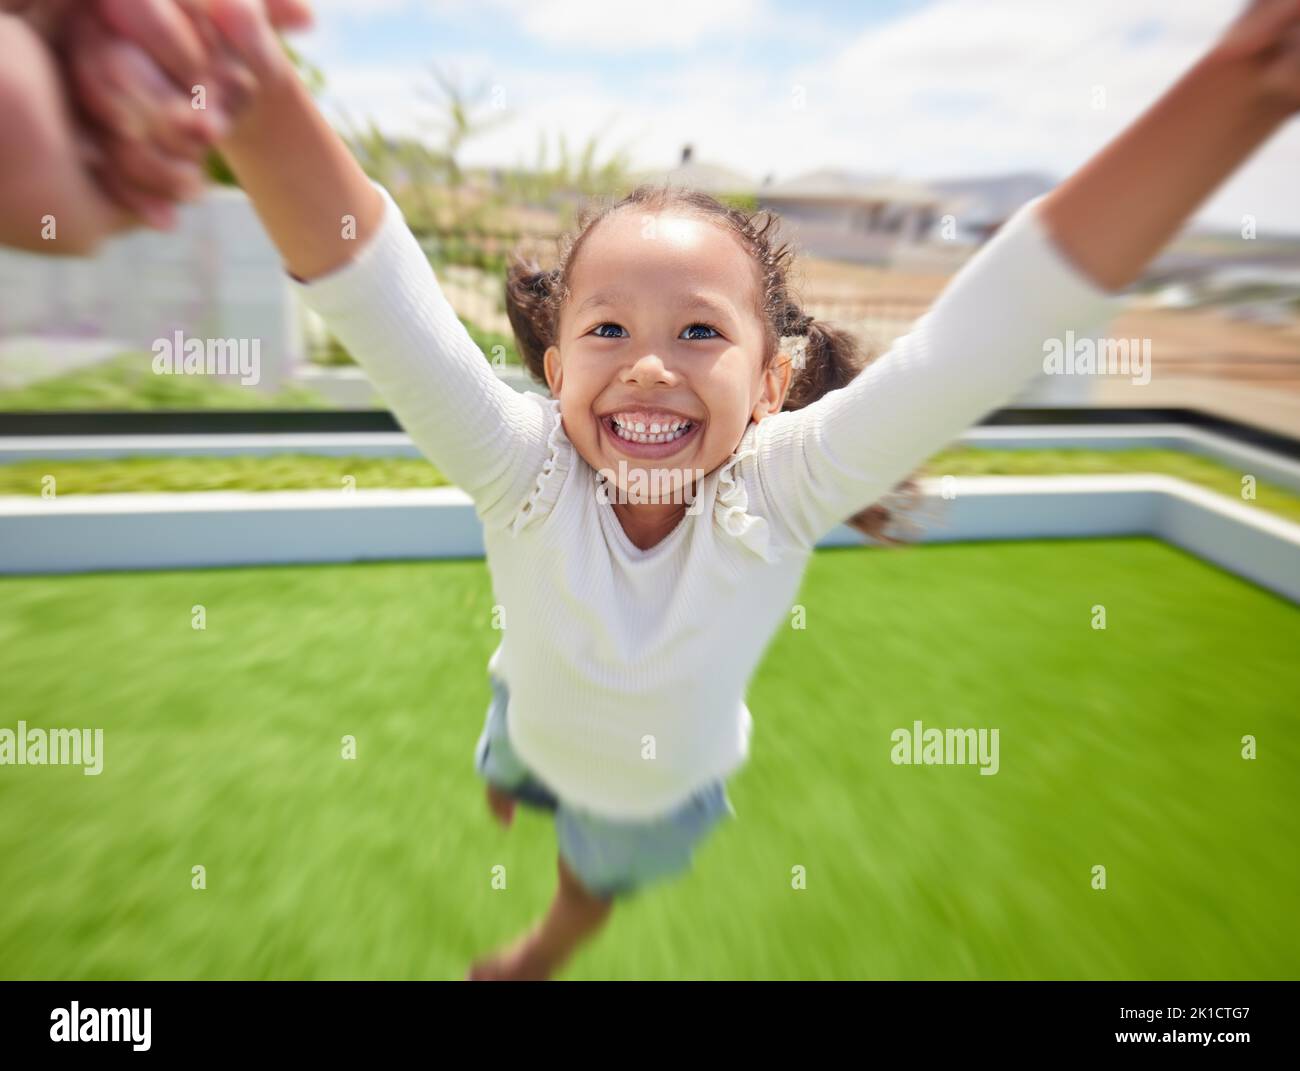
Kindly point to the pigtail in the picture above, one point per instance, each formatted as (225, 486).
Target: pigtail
(530, 306)
(827, 358)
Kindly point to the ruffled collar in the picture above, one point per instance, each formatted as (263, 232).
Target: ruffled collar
(730, 502)
(559, 459)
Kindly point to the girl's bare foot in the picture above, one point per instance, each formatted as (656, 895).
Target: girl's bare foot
(574, 918)
(501, 805)
(521, 961)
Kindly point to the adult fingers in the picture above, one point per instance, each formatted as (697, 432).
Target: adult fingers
(94, 73)
(155, 211)
(142, 165)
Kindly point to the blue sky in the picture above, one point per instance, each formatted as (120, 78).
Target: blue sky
(913, 88)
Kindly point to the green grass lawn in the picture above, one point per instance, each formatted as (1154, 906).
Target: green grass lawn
(289, 472)
(129, 382)
(1119, 748)
(274, 472)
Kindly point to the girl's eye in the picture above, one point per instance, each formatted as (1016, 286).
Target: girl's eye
(599, 332)
(706, 327)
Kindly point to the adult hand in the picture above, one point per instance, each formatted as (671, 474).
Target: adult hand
(72, 176)
(159, 84)
(49, 201)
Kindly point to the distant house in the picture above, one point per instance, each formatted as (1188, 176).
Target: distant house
(979, 206)
(842, 215)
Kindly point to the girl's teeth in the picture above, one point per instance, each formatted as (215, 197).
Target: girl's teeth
(658, 433)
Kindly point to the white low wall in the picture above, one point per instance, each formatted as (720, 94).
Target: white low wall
(216, 276)
(1262, 464)
(80, 533)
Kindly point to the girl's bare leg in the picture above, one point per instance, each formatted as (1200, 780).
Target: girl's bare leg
(501, 804)
(575, 916)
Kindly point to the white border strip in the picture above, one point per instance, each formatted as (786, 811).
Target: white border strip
(1261, 463)
(100, 447)
(84, 533)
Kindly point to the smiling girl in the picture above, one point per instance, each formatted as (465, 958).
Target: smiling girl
(670, 341)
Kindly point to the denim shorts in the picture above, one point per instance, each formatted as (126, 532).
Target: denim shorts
(610, 857)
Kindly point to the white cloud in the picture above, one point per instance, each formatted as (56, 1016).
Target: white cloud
(628, 27)
(954, 88)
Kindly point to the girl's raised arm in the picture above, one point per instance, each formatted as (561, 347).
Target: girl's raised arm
(358, 265)
(1052, 272)
(1120, 209)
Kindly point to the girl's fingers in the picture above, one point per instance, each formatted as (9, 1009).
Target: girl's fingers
(1282, 79)
(165, 32)
(1260, 27)
(235, 82)
(289, 14)
(167, 115)
(172, 119)
(244, 26)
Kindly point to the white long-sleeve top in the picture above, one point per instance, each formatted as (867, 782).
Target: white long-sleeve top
(627, 669)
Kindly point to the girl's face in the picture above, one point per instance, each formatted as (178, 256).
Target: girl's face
(658, 361)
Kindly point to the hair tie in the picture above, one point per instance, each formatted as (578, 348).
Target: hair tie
(797, 347)
(795, 340)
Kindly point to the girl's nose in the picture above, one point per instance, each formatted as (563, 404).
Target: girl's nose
(649, 368)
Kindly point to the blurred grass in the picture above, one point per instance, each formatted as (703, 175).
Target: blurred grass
(274, 472)
(1118, 747)
(287, 472)
(336, 354)
(129, 382)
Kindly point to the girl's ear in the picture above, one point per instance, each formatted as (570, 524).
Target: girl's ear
(554, 371)
(776, 385)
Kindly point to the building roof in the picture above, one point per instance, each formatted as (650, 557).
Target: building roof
(833, 184)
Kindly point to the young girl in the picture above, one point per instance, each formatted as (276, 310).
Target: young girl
(679, 360)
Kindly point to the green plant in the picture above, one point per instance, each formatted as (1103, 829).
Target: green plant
(128, 382)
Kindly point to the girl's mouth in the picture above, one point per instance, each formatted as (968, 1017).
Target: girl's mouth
(638, 437)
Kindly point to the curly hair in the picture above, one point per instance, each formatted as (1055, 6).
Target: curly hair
(831, 357)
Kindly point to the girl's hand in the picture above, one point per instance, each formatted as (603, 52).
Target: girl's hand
(1266, 37)
(247, 32)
